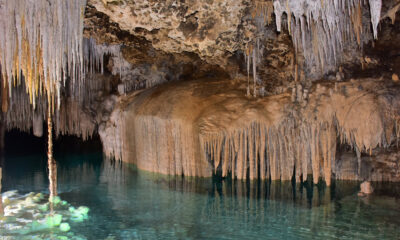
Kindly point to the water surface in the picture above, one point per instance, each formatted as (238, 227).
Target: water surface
(129, 204)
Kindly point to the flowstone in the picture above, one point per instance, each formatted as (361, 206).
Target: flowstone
(207, 127)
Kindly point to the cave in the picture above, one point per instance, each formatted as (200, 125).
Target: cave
(199, 119)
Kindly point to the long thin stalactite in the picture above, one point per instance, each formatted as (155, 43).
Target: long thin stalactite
(51, 162)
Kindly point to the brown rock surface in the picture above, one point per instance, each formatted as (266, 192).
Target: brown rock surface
(208, 28)
(380, 166)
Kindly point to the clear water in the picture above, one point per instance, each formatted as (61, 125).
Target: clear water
(129, 204)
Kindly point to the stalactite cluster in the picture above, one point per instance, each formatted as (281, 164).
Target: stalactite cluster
(70, 118)
(322, 29)
(21, 114)
(306, 144)
(41, 44)
(267, 138)
(274, 152)
(94, 54)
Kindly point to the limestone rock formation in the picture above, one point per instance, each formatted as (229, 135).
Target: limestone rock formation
(208, 28)
(200, 128)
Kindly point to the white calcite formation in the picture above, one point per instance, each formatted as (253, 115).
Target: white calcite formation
(94, 55)
(41, 40)
(322, 29)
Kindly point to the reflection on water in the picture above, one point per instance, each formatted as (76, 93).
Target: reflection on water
(130, 204)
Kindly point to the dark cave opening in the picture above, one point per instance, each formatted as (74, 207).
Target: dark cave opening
(21, 143)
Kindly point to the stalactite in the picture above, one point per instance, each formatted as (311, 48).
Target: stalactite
(41, 44)
(4, 96)
(254, 73)
(334, 24)
(42, 52)
(233, 136)
(1, 199)
(37, 124)
(2, 131)
(264, 9)
(2, 134)
(72, 120)
(248, 63)
(274, 152)
(375, 7)
(51, 162)
(94, 55)
(71, 117)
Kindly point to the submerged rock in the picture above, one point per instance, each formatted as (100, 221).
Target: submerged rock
(24, 216)
(366, 189)
(65, 227)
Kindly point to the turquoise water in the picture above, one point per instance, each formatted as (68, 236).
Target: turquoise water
(129, 204)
